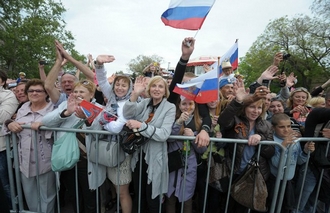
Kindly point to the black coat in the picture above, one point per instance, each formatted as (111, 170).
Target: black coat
(233, 126)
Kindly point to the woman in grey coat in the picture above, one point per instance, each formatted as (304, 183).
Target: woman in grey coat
(154, 171)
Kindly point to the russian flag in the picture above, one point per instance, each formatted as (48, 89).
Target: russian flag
(232, 56)
(187, 14)
(203, 89)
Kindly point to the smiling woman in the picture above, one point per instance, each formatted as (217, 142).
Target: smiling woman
(242, 119)
(32, 113)
(67, 115)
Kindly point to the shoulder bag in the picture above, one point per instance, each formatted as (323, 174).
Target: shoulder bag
(219, 173)
(110, 154)
(130, 140)
(250, 189)
(65, 152)
(175, 159)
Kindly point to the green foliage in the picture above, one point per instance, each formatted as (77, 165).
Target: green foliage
(305, 38)
(29, 28)
(139, 63)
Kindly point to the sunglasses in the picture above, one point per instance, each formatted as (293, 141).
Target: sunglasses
(84, 82)
(35, 90)
(299, 89)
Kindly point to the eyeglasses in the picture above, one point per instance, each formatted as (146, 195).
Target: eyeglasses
(35, 90)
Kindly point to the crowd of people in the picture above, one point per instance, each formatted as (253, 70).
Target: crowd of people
(149, 104)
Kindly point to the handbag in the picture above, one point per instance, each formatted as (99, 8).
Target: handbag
(175, 160)
(219, 173)
(130, 140)
(65, 152)
(250, 189)
(110, 154)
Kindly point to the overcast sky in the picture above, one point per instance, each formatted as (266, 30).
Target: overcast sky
(128, 28)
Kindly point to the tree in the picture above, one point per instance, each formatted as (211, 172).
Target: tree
(30, 28)
(305, 38)
(321, 8)
(139, 63)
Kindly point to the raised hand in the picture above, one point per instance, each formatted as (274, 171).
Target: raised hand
(111, 78)
(290, 80)
(139, 85)
(278, 57)
(71, 104)
(269, 73)
(187, 47)
(101, 59)
(261, 92)
(59, 56)
(240, 91)
(63, 52)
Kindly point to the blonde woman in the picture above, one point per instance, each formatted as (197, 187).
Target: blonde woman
(297, 105)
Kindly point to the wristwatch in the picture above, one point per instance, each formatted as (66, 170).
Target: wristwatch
(206, 128)
(98, 66)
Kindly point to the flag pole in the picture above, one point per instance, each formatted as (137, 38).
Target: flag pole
(189, 43)
(196, 33)
(237, 72)
(218, 74)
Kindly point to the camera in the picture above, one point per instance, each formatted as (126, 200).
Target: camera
(286, 56)
(265, 82)
(42, 62)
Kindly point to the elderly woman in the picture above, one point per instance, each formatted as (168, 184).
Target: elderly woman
(67, 115)
(242, 119)
(156, 115)
(32, 113)
(297, 105)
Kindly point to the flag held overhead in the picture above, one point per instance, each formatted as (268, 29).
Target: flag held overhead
(187, 14)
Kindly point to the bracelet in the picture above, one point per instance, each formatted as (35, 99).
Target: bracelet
(183, 62)
(62, 115)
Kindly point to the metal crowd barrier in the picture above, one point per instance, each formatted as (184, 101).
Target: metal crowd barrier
(17, 195)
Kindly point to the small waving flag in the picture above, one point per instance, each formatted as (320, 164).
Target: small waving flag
(187, 14)
(203, 89)
(232, 56)
(90, 110)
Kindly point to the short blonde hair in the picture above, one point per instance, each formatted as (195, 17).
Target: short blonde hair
(89, 85)
(316, 101)
(156, 79)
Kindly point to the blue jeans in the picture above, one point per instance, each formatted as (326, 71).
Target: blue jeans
(310, 183)
(4, 175)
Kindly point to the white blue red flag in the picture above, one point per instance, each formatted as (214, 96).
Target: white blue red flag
(232, 56)
(203, 89)
(187, 14)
